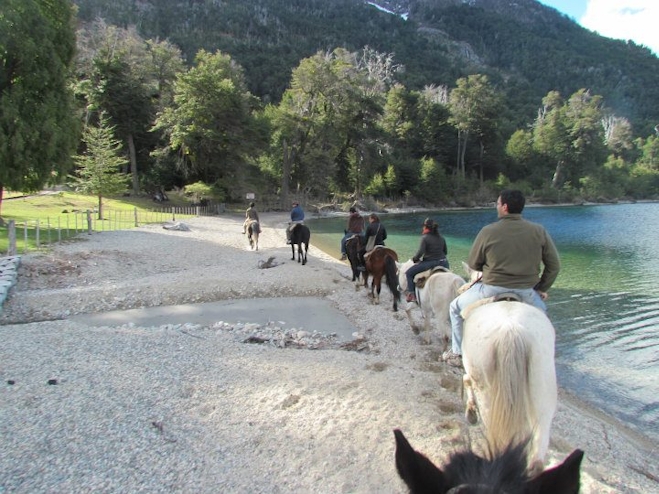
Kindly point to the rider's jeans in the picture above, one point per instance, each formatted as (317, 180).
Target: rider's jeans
(477, 292)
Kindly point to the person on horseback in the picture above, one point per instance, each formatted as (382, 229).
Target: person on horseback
(355, 226)
(432, 252)
(509, 253)
(375, 235)
(297, 216)
(250, 215)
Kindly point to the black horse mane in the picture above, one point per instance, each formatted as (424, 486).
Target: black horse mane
(466, 472)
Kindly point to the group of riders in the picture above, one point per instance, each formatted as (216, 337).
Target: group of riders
(513, 254)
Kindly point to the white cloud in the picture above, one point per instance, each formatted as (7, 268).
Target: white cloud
(624, 19)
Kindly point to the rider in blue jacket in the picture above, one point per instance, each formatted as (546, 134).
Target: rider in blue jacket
(297, 216)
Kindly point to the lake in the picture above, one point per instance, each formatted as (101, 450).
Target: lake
(604, 304)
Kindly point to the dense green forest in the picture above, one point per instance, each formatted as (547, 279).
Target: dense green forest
(328, 100)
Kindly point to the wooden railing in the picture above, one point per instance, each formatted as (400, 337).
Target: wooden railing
(36, 234)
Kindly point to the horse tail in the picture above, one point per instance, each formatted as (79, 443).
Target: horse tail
(510, 406)
(391, 273)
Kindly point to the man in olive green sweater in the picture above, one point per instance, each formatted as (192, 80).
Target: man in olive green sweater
(510, 253)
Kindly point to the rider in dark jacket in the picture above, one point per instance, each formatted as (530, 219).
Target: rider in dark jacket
(432, 252)
(375, 230)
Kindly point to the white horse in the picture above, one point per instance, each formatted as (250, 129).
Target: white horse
(434, 299)
(510, 374)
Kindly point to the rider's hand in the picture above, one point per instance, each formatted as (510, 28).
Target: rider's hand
(543, 295)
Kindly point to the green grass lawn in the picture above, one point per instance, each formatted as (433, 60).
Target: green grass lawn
(49, 217)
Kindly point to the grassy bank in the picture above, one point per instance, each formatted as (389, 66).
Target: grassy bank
(49, 217)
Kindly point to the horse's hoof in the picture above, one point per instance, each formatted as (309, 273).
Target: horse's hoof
(472, 416)
(415, 330)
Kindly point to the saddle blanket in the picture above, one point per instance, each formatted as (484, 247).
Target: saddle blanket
(421, 278)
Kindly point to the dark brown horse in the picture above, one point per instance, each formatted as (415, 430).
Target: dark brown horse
(353, 247)
(381, 262)
(300, 236)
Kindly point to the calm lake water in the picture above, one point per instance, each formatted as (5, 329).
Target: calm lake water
(604, 304)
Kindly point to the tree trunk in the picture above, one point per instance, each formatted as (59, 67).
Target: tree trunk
(100, 207)
(457, 158)
(463, 152)
(556, 179)
(2, 189)
(480, 165)
(286, 171)
(133, 164)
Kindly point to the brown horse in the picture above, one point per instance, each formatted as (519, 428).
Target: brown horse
(380, 262)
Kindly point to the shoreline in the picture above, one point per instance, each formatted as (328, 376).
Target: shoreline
(197, 408)
(650, 445)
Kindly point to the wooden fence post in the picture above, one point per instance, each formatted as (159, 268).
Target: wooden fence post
(136, 225)
(37, 234)
(11, 232)
(89, 222)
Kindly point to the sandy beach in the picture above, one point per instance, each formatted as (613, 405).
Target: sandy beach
(235, 406)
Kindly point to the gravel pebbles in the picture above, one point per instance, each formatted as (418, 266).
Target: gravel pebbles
(239, 408)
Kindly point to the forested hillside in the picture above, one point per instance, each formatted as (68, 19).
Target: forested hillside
(428, 102)
(523, 46)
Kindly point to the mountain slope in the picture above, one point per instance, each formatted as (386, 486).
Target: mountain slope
(525, 47)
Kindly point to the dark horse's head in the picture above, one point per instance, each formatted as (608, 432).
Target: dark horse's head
(467, 473)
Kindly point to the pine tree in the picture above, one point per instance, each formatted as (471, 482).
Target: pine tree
(99, 167)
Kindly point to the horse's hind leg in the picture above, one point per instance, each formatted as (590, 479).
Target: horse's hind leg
(376, 293)
(428, 324)
(471, 412)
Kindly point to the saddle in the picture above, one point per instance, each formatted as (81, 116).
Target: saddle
(421, 278)
(507, 297)
(373, 250)
(501, 297)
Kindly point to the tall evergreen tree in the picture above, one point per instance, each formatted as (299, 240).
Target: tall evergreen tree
(99, 166)
(38, 126)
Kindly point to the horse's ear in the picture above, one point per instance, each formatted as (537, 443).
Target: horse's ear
(467, 269)
(561, 479)
(418, 472)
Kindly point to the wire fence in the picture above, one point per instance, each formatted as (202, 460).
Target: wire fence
(25, 236)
